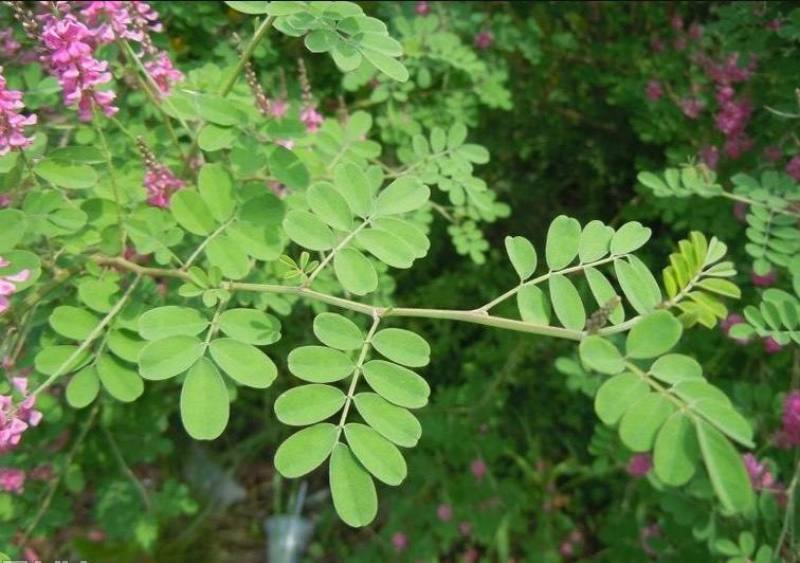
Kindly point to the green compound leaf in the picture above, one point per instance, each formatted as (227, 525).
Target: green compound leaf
(394, 423)
(330, 206)
(533, 305)
(563, 240)
(351, 182)
(168, 357)
(319, 364)
(250, 326)
(616, 395)
(352, 488)
(337, 331)
(83, 388)
(305, 450)
(355, 272)
(402, 346)
(643, 419)
(308, 231)
(387, 247)
(12, 228)
(654, 335)
(402, 196)
(227, 254)
(125, 345)
(73, 322)
(308, 404)
(630, 237)
(204, 402)
(53, 359)
(377, 454)
(171, 320)
(594, 241)
(397, 384)
(216, 189)
(192, 213)
(725, 469)
(122, 383)
(287, 168)
(674, 368)
(244, 363)
(601, 355)
(522, 255)
(66, 175)
(676, 451)
(567, 303)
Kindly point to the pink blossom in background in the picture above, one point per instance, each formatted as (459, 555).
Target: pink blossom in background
(8, 284)
(774, 24)
(793, 167)
(278, 108)
(771, 346)
(311, 118)
(465, 528)
(729, 322)
(740, 211)
(653, 90)
(110, 21)
(163, 73)
(16, 419)
(691, 107)
(444, 512)
(709, 155)
(760, 476)
(695, 31)
(676, 22)
(400, 541)
(12, 122)
(478, 468)
(639, 465)
(773, 153)
(422, 8)
(5, 200)
(789, 434)
(766, 280)
(69, 55)
(161, 183)
(657, 44)
(471, 555)
(736, 146)
(8, 45)
(484, 39)
(12, 480)
(566, 549)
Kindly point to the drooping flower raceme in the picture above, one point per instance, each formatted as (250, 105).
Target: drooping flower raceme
(16, 419)
(163, 73)
(69, 54)
(12, 122)
(159, 181)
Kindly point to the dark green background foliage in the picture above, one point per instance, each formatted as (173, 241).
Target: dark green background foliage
(558, 99)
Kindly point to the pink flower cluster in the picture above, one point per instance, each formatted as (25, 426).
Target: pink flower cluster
(760, 475)
(114, 20)
(639, 465)
(12, 480)
(789, 434)
(9, 46)
(793, 167)
(654, 90)
(8, 284)
(69, 54)
(161, 183)
(422, 8)
(163, 73)
(484, 39)
(15, 420)
(12, 123)
(311, 118)
(571, 545)
(728, 323)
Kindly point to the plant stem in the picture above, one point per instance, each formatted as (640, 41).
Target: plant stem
(227, 86)
(127, 470)
(333, 252)
(114, 187)
(202, 246)
(376, 320)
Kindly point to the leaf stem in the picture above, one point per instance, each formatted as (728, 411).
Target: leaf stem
(376, 320)
(333, 252)
(203, 244)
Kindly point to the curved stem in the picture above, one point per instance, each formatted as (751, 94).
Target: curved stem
(227, 86)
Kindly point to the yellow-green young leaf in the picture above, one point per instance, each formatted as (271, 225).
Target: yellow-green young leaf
(98, 295)
(308, 231)
(171, 320)
(725, 469)
(722, 287)
(567, 303)
(409, 233)
(122, 383)
(216, 189)
(397, 384)
(305, 450)
(563, 240)
(630, 237)
(246, 364)
(616, 395)
(308, 404)
(387, 247)
(601, 355)
(168, 357)
(377, 454)
(653, 336)
(204, 402)
(676, 452)
(352, 489)
(229, 256)
(642, 420)
(392, 422)
(594, 241)
(533, 305)
(72, 322)
(522, 255)
(402, 346)
(287, 168)
(389, 66)
(330, 206)
(319, 364)
(83, 388)
(637, 290)
(56, 359)
(338, 332)
(353, 185)
(674, 368)
(726, 419)
(250, 326)
(355, 272)
(603, 293)
(192, 213)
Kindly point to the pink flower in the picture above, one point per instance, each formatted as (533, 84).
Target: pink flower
(12, 480)
(16, 419)
(163, 73)
(465, 528)
(774, 24)
(69, 54)
(422, 8)
(5, 200)
(470, 555)
(484, 39)
(653, 90)
(278, 108)
(444, 512)
(12, 123)
(695, 31)
(709, 155)
(478, 468)
(789, 435)
(639, 465)
(399, 541)
(311, 118)
(793, 167)
(773, 153)
(760, 476)
(8, 284)
(765, 280)
(8, 45)
(161, 183)
(691, 107)
(657, 44)
(566, 549)
(676, 22)
(771, 346)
